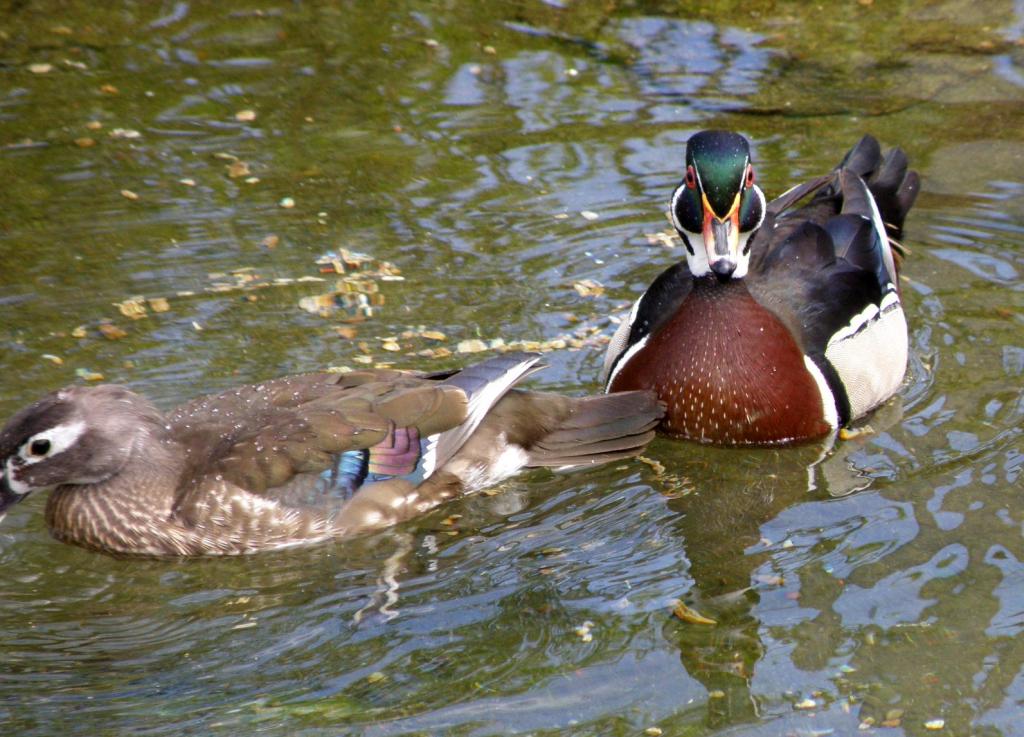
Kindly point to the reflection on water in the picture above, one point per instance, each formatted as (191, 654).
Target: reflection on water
(874, 583)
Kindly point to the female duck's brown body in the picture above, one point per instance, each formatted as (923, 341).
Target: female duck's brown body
(299, 459)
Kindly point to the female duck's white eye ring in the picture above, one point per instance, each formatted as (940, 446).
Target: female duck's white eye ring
(50, 442)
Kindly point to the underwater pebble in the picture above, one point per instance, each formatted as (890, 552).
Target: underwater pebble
(109, 89)
(287, 203)
(271, 241)
(53, 359)
(935, 724)
(40, 68)
(127, 133)
(188, 182)
(716, 694)
(653, 731)
(85, 142)
(245, 116)
(129, 195)
(376, 677)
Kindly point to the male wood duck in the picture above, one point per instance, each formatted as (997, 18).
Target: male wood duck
(783, 323)
(298, 459)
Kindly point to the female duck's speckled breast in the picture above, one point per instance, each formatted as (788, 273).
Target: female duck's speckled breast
(729, 372)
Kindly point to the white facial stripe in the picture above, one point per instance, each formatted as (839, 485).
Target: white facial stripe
(60, 437)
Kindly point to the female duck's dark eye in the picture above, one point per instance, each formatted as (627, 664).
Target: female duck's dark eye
(691, 177)
(750, 177)
(39, 447)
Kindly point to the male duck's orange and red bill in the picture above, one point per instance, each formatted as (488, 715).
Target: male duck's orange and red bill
(783, 323)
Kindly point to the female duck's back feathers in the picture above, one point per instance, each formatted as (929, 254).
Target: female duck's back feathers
(821, 269)
(298, 459)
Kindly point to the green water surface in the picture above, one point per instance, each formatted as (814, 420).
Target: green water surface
(462, 142)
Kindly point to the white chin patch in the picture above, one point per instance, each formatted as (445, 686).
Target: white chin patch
(18, 487)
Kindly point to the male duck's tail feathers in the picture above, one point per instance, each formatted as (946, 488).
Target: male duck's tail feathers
(893, 187)
(597, 430)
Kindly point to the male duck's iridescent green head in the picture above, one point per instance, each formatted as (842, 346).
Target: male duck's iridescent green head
(717, 206)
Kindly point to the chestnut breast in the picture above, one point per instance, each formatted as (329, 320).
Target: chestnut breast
(729, 372)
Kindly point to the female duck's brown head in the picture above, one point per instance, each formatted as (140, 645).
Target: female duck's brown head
(77, 436)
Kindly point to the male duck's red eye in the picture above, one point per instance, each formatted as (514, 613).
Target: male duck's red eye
(691, 177)
(750, 177)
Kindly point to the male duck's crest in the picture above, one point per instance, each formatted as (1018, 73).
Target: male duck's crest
(299, 459)
(784, 322)
(717, 206)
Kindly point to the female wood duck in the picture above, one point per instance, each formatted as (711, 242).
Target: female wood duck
(299, 459)
(783, 323)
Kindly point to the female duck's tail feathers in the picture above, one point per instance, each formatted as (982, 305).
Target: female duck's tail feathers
(597, 430)
(484, 384)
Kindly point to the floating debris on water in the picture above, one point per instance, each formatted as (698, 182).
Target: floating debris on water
(666, 238)
(40, 68)
(126, 133)
(687, 614)
(287, 203)
(245, 116)
(238, 169)
(474, 345)
(589, 215)
(588, 288)
(583, 631)
(806, 704)
(133, 307)
(935, 724)
(88, 375)
(53, 359)
(112, 332)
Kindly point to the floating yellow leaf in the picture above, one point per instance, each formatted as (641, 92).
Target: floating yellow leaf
(588, 288)
(471, 346)
(687, 614)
